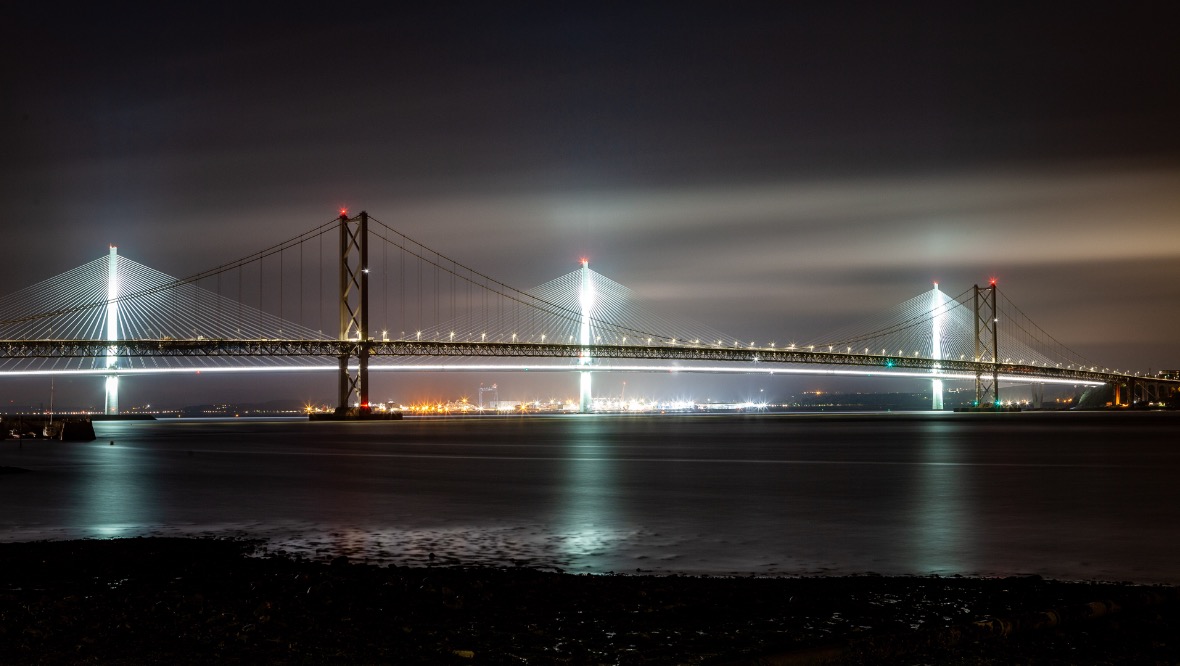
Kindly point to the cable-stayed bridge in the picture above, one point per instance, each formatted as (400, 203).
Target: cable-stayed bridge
(355, 295)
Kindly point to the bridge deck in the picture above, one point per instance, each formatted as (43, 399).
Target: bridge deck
(227, 348)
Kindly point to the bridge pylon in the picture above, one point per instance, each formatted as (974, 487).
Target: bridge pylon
(939, 310)
(987, 389)
(111, 403)
(586, 299)
(354, 312)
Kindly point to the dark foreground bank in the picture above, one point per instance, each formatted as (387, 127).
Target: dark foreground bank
(209, 601)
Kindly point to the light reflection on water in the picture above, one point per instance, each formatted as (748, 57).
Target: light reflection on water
(116, 495)
(587, 494)
(941, 511)
(1064, 495)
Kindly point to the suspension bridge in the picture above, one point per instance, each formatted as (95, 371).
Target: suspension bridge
(394, 303)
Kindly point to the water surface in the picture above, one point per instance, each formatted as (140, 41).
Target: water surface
(1076, 496)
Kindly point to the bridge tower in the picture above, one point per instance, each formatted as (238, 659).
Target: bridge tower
(112, 360)
(938, 303)
(586, 298)
(354, 311)
(987, 389)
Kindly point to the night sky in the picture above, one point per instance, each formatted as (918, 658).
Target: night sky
(774, 171)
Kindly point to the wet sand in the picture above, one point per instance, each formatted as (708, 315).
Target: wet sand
(168, 600)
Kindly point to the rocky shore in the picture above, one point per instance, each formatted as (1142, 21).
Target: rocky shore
(190, 601)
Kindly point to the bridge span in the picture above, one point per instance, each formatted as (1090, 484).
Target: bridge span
(874, 364)
(734, 360)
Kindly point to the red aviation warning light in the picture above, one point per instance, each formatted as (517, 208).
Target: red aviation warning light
(344, 211)
(993, 282)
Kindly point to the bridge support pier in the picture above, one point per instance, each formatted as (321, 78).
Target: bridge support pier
(1139, 391)
(585, 399)
(111, 402)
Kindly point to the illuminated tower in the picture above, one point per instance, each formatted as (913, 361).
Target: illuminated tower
(586, 297)
(938, 307)
(354, 312)
(112, 361)
(986, 342)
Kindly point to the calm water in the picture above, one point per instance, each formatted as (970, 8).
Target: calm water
(1073, 496)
